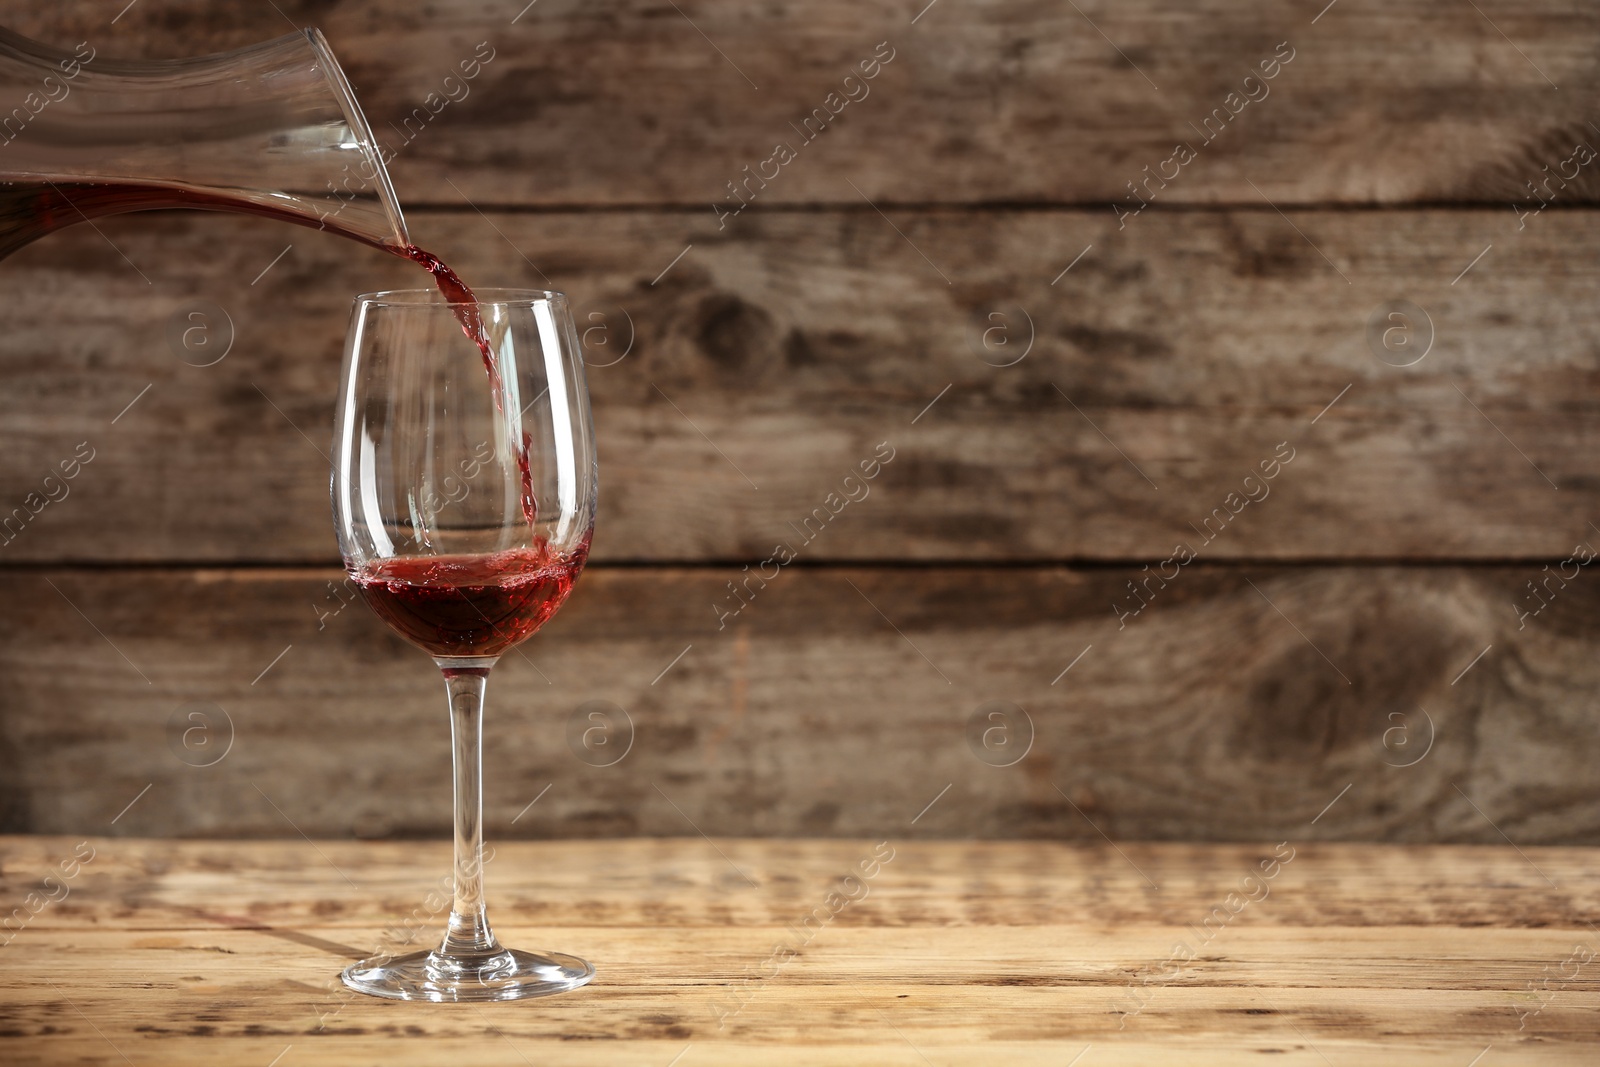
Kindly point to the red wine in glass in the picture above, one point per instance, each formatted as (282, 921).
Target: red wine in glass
(478, 605)
(409, 411)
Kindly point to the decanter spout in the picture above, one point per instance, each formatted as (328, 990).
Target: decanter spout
(273, 129)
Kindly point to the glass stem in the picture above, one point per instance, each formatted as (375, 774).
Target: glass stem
(468, 933)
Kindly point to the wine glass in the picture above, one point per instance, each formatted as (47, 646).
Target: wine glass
(464, 503)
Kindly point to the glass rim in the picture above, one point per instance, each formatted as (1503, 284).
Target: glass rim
(487, 295)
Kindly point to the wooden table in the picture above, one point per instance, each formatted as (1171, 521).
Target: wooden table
(162, 952)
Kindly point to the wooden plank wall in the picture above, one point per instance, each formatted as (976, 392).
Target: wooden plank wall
(950, 273)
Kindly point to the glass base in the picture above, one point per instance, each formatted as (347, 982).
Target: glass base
(505, 974)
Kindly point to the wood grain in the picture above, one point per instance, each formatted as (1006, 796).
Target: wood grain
(209, 952)
(1396, 703)
(1172, 361)
(857, 302)
(1003, 100)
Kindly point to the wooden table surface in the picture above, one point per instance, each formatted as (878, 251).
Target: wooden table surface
(163, 952)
